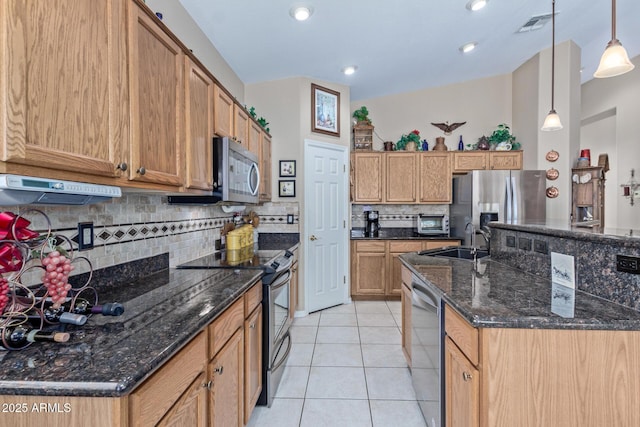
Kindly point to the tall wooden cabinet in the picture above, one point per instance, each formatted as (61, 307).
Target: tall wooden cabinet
(199, 127)
(156, 85)
(65, 95)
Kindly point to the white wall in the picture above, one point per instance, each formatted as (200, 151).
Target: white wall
(610, 111)
(482, 103)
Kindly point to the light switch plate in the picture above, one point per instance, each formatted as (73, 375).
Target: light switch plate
(85, 235)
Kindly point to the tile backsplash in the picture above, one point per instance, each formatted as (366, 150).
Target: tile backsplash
(139, 226)
(396, 216)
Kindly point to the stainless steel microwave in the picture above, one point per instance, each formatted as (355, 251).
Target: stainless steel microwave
(236, 176)
(433, 224)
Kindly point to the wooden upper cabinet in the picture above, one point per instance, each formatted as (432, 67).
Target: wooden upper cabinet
(241, 125)
(157, 90)
(435, 178)
(505, 160)
(64, 84)
(199, 127)
(254, 138)
(464, 161)
(223, 107)
(367, 177)
(265, 168)
(400, 185)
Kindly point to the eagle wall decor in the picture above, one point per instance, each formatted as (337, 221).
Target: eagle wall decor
(448, 128)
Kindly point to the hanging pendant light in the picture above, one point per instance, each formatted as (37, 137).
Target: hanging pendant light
(552, 121)
(615, 60)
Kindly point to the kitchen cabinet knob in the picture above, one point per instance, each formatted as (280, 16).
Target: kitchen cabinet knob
(122, 166)
(207, 385)
(466, 376)
(313, 238)
(252, 326)
(142, 170)
(219, 370)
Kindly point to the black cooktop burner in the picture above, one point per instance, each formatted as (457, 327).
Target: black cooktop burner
(220, 260)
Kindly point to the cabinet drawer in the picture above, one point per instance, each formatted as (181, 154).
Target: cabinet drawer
(434, 244)
(462, 333)
(151, 400)
(252, 298)
(365, 246)
(403, 247)
(224, 326)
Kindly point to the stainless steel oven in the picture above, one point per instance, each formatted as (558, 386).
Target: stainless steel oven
(276, 338)
(426, 351)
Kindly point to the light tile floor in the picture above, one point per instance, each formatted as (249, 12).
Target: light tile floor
(346, 368)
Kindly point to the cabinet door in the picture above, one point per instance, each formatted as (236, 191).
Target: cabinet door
(397, 248)
(254, 138)
(462, 388)
(435, 178)
(252, 361)
(367, 177)
(241, 125)
(190, 410)
(400, 183)
(464, 161)
(157, 90)
(405, 298)
(223, 107)
(64, 84)
(199, 127)
(265, 168)
(226, 372)
(369, 268)
(505, 160)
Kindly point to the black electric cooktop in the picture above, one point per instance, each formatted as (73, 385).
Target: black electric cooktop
(256, 260)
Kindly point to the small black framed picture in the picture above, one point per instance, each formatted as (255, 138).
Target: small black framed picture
(287, 188)
(287, 168)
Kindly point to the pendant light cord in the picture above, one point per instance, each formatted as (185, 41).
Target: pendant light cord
(553, 52)
(613, 20)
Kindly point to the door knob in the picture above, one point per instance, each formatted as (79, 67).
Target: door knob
(313, 238)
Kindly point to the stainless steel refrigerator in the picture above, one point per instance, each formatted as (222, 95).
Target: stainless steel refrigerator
(517, 197)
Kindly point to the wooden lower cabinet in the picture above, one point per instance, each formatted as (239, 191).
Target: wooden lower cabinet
(405, 298)
(226, 397)
(376, 268)
(540, 377)
(252, 361)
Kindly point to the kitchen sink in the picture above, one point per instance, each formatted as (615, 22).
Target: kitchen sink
(459, 252)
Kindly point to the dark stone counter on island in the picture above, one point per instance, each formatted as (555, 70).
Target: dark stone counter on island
(490, 294)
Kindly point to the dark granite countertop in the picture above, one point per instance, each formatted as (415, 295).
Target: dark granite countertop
(493, 295)
(110, 356)
(397, 234)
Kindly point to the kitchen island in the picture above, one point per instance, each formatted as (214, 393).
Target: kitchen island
(175, 321)
(520, 350)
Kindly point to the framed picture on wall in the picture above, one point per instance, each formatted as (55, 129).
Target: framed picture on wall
(325, 110)
(287, 188)
(287, 168)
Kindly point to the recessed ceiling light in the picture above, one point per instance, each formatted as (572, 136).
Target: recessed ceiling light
(468, 47)
(301, 13)
(349, 70)
(474, 5)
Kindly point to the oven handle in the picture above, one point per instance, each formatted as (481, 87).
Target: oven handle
(287, 336)
(281, 281)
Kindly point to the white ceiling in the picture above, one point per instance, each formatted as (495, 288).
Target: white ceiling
(402, 45)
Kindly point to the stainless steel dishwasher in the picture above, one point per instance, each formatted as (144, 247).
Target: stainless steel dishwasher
(426, 351)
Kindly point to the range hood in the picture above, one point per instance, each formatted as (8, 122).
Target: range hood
(26, 190)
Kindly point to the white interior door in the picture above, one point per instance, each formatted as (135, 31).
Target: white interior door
(325, 225)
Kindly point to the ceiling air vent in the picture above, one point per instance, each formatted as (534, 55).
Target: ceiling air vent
(535, 23)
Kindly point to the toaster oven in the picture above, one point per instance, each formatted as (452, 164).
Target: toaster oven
(433, 224)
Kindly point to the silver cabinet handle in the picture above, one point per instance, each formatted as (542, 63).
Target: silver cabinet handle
(207, 385)
(219, 369)
(122, 166)
(142, 170)
(466, 376)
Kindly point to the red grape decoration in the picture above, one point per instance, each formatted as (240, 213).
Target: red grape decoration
(56, 277)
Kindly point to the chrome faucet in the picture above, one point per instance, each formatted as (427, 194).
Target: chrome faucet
(485, 232)
(474, 248)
